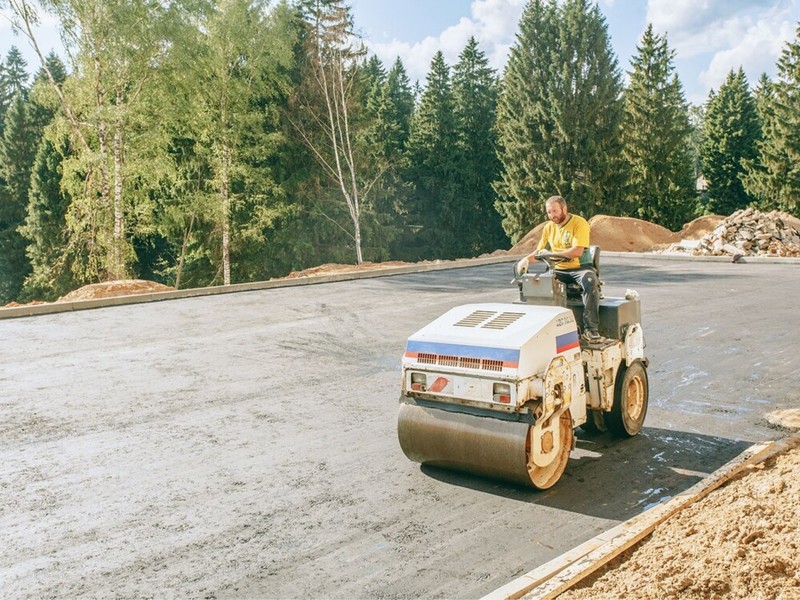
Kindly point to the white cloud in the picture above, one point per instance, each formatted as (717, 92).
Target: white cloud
(493, 23)
(755, 47)
(720, 35)
(693, 17)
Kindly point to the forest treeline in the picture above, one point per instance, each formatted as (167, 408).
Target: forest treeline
(199, 142)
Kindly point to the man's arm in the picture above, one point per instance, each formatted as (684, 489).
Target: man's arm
(542, 245)
(574, 252)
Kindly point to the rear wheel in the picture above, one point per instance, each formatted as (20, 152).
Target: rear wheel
(545, 477)
(630, 401)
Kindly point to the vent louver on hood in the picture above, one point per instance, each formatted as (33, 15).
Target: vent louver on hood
(489, 319)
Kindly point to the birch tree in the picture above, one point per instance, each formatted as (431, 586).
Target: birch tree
(116, 47)
(330, 99)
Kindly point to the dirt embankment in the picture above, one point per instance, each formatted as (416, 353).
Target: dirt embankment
(612, 234)
(741, 541)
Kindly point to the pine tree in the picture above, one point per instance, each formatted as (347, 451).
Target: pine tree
(390, 108)
(393, 113)
(17, 152)
(433, 171)
(732, 131)
(375, 78)
(45, 228)
(656, 133)
(13, 81)
(559, 115)
(774, 178)
(475, 92)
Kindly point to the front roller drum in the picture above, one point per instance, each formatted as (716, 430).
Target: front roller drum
(481, 445)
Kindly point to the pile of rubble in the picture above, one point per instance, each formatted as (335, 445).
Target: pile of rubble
(748, 232)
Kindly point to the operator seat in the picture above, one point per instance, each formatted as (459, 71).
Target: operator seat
(573, 290)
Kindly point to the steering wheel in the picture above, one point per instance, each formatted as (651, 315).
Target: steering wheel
(544, 256)
(551, 260)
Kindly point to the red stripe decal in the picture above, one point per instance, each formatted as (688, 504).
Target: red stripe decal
(438, 385)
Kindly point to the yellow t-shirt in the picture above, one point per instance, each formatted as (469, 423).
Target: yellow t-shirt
(558, 238)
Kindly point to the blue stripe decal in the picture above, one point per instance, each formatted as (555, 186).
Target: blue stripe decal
(467, 351)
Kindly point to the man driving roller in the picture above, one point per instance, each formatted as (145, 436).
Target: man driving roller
(567, 236)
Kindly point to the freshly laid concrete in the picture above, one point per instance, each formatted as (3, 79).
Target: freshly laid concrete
(244, 445)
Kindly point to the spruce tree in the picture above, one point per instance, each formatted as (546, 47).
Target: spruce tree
(375, 77)
(17, 152)
(433, 171)
(13, 81)
(475, 91)
(656, 134)
(45, 227)
(559, 115)
(732, 131)
(774, 178)
(390, 111)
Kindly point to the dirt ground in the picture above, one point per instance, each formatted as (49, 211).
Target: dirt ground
(741, 541)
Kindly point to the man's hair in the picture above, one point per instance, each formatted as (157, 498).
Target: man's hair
(556, 200)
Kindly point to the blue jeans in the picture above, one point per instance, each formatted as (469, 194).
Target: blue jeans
(587, 279)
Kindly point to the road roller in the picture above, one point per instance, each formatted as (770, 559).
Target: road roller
(497, 389)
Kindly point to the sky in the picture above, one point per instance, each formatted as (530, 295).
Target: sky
(709, 37)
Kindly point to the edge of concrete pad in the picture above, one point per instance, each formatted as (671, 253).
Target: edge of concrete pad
(784, 260)
(58, 307)
(560, 574)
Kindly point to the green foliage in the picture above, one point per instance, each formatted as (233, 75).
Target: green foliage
(204, 142)
(656, 132)
(732, 130)
(559, 115)
(45, 228)
(13, 81)
(17, 152)
(434, 208)
(389, 110)
(774, 178)
(332, 115)
(476, 224)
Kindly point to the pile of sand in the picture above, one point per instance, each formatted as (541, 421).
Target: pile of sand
(696, 229)
(613, 234)
(741, 541)
(119, 287)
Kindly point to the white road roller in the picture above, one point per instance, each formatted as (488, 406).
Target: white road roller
(497, 389)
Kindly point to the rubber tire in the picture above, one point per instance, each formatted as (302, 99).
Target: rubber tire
(595, 422)
(621, 421)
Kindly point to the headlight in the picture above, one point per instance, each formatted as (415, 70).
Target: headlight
(419, 382)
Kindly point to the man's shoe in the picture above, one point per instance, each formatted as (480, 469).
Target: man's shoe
(591, 336)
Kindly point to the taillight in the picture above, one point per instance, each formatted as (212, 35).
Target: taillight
(501, 392)
(419, 382)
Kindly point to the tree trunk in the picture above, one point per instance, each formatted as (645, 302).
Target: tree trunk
(182, 258)
(226, 209)
(105, 186)
(119, 232)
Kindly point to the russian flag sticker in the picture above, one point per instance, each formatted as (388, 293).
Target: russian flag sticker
(567, 341)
